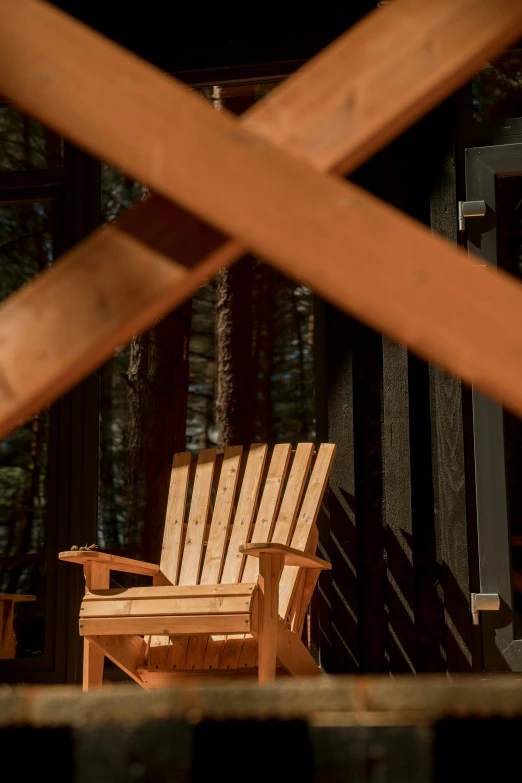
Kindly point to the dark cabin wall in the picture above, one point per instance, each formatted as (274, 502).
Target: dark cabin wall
(397, 599)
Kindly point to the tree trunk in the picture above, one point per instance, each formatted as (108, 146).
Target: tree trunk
(157, 380)
(157, 386)
(263, 342)
(234, 354)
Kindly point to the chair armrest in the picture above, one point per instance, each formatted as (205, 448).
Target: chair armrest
(114, 562)
(292, 557)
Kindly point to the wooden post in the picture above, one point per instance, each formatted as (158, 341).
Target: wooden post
(270, 570)
(97, 577)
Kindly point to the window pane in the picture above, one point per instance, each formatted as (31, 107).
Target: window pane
(25, 144)
(497, 89)
(278, 392)
(25, 249)
(115, 532)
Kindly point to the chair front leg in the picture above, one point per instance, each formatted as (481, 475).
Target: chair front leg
(270, 570)
(97, 577)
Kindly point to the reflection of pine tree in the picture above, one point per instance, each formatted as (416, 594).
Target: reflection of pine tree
(497, 89)
(25, 144)
(143, 415)
(25, 250)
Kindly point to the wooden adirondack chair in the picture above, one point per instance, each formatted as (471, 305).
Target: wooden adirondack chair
(228, 598)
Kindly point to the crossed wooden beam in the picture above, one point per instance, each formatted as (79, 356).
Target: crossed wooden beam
(259, 183)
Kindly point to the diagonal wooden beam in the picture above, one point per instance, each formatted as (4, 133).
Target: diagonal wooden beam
(60, 86)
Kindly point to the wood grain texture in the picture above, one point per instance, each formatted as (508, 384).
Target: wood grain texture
(269, 504)
(232, 652)
(311, 577)
(124, 651)
(270, 570)
(293, 655)
(177, 652)
(303, 532)
(294, 489)
(222, 515)
(150, 607)
(170, 591)
(75, 100)
(199, 506)
(167, 679)
(114, 562)
(166, 626)
(244, 516)
(291, 556)
(97, 576)
(175, 516)
(244, 652)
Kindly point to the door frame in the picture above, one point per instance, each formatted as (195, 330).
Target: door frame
(501, 650)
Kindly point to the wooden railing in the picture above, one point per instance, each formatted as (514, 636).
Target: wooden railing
(260, 183)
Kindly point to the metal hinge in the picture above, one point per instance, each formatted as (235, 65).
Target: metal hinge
(469, 209)
(483, 602)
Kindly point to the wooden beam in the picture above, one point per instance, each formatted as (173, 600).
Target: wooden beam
(38, 45)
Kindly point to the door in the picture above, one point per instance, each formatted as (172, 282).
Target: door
(494, 175)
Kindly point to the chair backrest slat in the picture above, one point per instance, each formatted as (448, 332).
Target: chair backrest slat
(268, 506)
(304, 529)
(245, 511)
(217, 539)
(175, 517)
(295, 485)
(193, 548)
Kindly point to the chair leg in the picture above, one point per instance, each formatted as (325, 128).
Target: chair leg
(270, 569)
(97, 577)
(93, 660)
